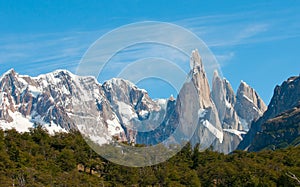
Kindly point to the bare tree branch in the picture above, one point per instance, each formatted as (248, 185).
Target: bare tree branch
(293, 176)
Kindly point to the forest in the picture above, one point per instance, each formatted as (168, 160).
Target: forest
(36, 158)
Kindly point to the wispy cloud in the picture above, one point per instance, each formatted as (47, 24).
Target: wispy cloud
(144, 40)
(252, 30)
(222, 33)
(224, 58)
(34, 54)
(244, 28)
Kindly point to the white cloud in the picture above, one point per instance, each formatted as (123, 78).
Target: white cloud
(226, 30)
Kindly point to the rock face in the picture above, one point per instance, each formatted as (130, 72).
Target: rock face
(63, 101)
(278, 132)
(117, 109)
(285, 97)
(195, 108)
(224, 99)
(213, 113)
(249, 106)
(135, 110)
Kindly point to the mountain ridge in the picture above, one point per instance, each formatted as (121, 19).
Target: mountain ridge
(285, 97)
(118, 108)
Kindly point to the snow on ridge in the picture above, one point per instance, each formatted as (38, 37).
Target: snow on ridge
(291, 79)
(161, 102)
(247, 98)
(51, 77)
(23, 124)
(247, 85)
(225, 80)
(244, 83)
(119, 81)
(20, 79)
(201, 113)
(73, 76)
(228, 105)
(256, 109)
(126, 112)
(236, 132)
(34, 91)
(20, 123)
(97, 139)
(114, 126)
(216, 132)
(53, 128)
(7, 73)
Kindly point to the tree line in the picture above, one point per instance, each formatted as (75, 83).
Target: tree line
(35, 158)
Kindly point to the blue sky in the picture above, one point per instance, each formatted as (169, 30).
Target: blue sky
(254, 41)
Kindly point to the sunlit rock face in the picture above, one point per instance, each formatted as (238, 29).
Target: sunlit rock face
(212, 111)
(285, 98)
(119, 110)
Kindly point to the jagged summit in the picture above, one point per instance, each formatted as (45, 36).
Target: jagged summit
(248, 103)
(216, 75)
(243, 83)
(7, 73)
(10, 71)
(285, 97)
(196, 60)
(61, 100)
(292, 78)
(171, 98)
(122, 82)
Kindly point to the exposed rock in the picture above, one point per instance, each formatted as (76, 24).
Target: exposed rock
(224, 99)
(195, 108)
(279, 132)
(285, 97)
(118, 109)
(199, 80)
(249, 106)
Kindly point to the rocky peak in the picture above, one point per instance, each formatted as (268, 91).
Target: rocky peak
(199, 79)
(285, 97)
(10, 72)
(171, 98)
(278, 132)
(196, 60)
(218, 94)
(249, 105)
(57, 77)
(246, 92)
(230, 96)
(224, 99)
(62, 100)
(8, 78)
(222, 91)
(122, 90)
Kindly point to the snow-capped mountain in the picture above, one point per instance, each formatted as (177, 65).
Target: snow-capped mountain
(118, 109)
(62, 101)
(217, 115)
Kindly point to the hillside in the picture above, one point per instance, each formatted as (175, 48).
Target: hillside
(36, 159)
(279, 132)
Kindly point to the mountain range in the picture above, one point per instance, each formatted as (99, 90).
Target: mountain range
(279, 126)
(215, 116)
